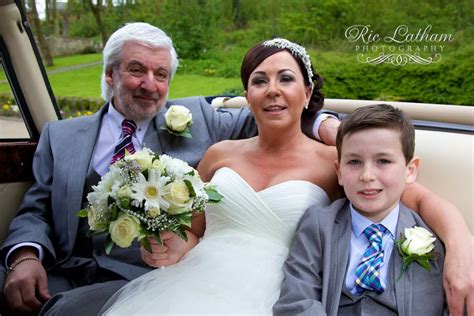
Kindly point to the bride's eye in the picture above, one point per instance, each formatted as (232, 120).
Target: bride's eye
(258, 81)
(287, 78)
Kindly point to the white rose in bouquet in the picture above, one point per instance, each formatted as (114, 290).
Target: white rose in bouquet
(143, 157)
(124, 230)
(177, 193)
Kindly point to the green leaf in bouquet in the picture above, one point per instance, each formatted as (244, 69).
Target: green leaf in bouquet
(145, 173)
(124, 202)
(158, 238)
(82, 213)
(185, 218)
(214, 196)
(114, 212)
(188, 183)
(92, 233)
(109, 243)
(182, 234)
(146, 244)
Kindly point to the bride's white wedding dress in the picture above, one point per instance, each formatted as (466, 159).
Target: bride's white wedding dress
(237, 266)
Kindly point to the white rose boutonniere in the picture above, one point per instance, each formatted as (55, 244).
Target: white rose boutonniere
(178, 120)
(417, 245)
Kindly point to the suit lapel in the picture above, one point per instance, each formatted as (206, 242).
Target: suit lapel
(339, 257)
(151, 139)
(164, 137)
(83, 142)
(403, 286)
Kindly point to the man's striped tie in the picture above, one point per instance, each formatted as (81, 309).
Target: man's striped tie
(128, 128)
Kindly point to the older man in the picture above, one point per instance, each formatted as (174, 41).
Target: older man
(52, 263)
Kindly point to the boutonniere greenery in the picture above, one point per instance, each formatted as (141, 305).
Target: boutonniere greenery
(416, 245)
(178, 120)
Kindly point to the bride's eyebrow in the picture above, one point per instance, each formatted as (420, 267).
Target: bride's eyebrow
(258, 73)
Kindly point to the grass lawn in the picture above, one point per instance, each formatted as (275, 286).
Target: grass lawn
(85, 82)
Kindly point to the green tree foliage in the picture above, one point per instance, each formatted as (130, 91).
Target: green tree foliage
(211, 37)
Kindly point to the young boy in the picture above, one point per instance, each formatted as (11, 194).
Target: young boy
(332, 267)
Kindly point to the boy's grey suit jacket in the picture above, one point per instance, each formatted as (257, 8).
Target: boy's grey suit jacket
(315, 271)
(47, 215)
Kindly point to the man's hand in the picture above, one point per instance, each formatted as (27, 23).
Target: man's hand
(173, 249)
(458, 278)
(328, 131)
(26, 287)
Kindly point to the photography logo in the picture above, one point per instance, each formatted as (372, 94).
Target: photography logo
(399, 48)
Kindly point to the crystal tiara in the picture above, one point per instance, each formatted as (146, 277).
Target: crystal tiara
(296, 50)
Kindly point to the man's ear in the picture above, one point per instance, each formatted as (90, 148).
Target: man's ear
(109, 76)
(338, 172)
(412, 170)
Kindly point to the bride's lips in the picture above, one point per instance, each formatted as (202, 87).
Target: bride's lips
(274, 108)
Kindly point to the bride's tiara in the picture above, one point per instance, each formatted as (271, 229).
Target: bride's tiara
(296, 50)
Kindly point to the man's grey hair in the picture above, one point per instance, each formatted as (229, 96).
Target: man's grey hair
(138, 32)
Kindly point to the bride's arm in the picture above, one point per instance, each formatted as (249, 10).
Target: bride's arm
(174, 247)
(449, 224)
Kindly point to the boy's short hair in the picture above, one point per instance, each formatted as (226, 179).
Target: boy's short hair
(379, 116)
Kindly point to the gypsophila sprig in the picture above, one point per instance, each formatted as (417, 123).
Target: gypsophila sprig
(416, 245)
(144, 194)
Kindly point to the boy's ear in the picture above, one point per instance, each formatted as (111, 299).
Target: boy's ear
(412, 170)
(338, 172)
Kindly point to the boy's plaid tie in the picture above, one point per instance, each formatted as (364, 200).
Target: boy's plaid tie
(128, 128)
(367, 272)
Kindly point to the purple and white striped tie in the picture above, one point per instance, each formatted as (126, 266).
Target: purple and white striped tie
(128, 128)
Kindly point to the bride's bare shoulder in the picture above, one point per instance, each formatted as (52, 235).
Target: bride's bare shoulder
(219, 155)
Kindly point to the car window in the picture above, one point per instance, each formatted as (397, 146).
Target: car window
(12, 125)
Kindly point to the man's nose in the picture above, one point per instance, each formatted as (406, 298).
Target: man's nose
(149, 82)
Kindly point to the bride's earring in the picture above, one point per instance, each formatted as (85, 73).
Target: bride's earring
(306, 106)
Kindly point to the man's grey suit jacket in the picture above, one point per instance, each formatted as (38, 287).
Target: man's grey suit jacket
(47, 215)
(315, 271)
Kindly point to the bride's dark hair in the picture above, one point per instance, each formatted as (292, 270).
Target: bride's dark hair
(260, 52)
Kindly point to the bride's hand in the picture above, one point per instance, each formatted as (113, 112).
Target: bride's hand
(173, 249)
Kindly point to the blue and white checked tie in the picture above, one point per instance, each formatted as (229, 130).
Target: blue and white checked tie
(368, 270)
(128, 128)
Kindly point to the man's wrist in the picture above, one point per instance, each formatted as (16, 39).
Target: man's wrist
(322, 131)
(23, 252)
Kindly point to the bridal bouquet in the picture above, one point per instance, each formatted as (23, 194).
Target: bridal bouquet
(144, 194)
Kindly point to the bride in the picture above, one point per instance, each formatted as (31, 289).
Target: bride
(267, 182)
